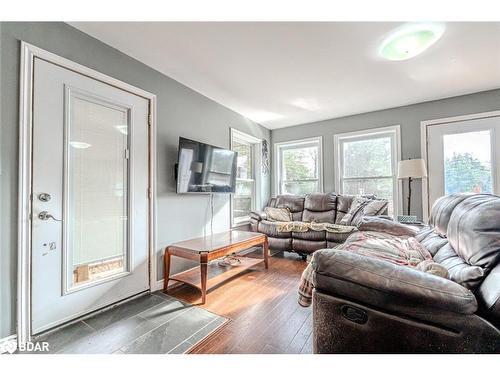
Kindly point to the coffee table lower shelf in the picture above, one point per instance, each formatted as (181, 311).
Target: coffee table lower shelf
(216, 274)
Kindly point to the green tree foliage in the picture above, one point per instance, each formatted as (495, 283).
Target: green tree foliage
(368, 158)
(464, 173)
(301, 164)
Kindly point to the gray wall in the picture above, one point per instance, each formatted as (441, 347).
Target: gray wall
(408, 117)
(181, 112)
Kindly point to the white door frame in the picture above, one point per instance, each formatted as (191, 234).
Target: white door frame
(424, 125)
(28, 54)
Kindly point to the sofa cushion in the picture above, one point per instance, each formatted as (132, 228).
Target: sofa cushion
(319, 217)
(312, 235)
(306, 246)
(320, 207)
(278, 214)
(270, 228)
(474, 230)
(431, 240)
(320, 201)
(458, 270)
(379, 283)
(337, 237)
(442, 210)
(294, 202)
(488, 296)
(280, 244)
(343, 204)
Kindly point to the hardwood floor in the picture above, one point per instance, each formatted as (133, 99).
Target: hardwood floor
(262, 305)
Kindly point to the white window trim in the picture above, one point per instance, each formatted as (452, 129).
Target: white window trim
(298, 142)
(257, 162)
(396, 156)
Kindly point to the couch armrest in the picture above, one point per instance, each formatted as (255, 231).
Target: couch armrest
(258, 215)
(388, 286)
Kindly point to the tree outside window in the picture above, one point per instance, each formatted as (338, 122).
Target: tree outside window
(300, 167)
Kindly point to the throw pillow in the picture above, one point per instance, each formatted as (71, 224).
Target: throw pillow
(278, 214)
(372, 207)
(357, 204)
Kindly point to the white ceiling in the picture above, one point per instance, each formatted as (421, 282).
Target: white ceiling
(284, 74)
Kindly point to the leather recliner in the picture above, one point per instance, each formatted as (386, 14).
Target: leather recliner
(320, 207)
(367, 305)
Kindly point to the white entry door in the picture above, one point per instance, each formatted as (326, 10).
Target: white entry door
(462, 157)
(89, 195)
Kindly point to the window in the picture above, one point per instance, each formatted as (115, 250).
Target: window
(299, 166)
(247, 192)
(366, 164)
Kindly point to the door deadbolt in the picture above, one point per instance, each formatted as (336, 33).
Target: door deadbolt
(44, 197)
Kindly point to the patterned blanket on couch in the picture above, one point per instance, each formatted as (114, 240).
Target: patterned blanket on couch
(302, 226)
(401, 250)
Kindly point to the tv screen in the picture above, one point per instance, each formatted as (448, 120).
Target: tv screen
(204, 168)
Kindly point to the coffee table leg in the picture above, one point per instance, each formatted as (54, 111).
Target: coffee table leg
(166, 276)
(203, 270)
(265, 249)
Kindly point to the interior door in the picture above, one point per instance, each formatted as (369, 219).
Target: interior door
(462, 157)
(89, 195)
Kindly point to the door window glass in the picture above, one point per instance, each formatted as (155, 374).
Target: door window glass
(97, 191)
(467, 162)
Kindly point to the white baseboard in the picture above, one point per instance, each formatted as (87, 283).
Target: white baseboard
(8, 344)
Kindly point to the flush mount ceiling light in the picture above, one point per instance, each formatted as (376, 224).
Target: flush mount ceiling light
(410, 40)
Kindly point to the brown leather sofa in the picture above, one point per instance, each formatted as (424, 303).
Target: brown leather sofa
(321, 207)
(367, 305)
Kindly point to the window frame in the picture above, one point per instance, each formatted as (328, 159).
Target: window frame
(394, 131)
(299, 143)
(256, 144)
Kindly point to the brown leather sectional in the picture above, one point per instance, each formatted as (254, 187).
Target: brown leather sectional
(367, 305)
(321, 207)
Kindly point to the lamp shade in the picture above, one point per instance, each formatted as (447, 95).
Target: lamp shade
(414, 168)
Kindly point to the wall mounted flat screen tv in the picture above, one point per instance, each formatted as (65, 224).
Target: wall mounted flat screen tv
(204, 168)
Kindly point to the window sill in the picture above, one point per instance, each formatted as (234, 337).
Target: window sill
(240, 224)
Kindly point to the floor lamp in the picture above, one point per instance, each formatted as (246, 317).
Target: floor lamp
(410, 169)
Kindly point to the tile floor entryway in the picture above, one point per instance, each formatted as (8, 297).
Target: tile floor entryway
(153, 323)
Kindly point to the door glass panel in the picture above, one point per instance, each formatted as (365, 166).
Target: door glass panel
(97, 191)
(467, 162)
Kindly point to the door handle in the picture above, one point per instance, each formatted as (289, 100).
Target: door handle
(44, 215)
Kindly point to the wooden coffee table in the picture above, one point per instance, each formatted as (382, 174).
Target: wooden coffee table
(206, 249)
